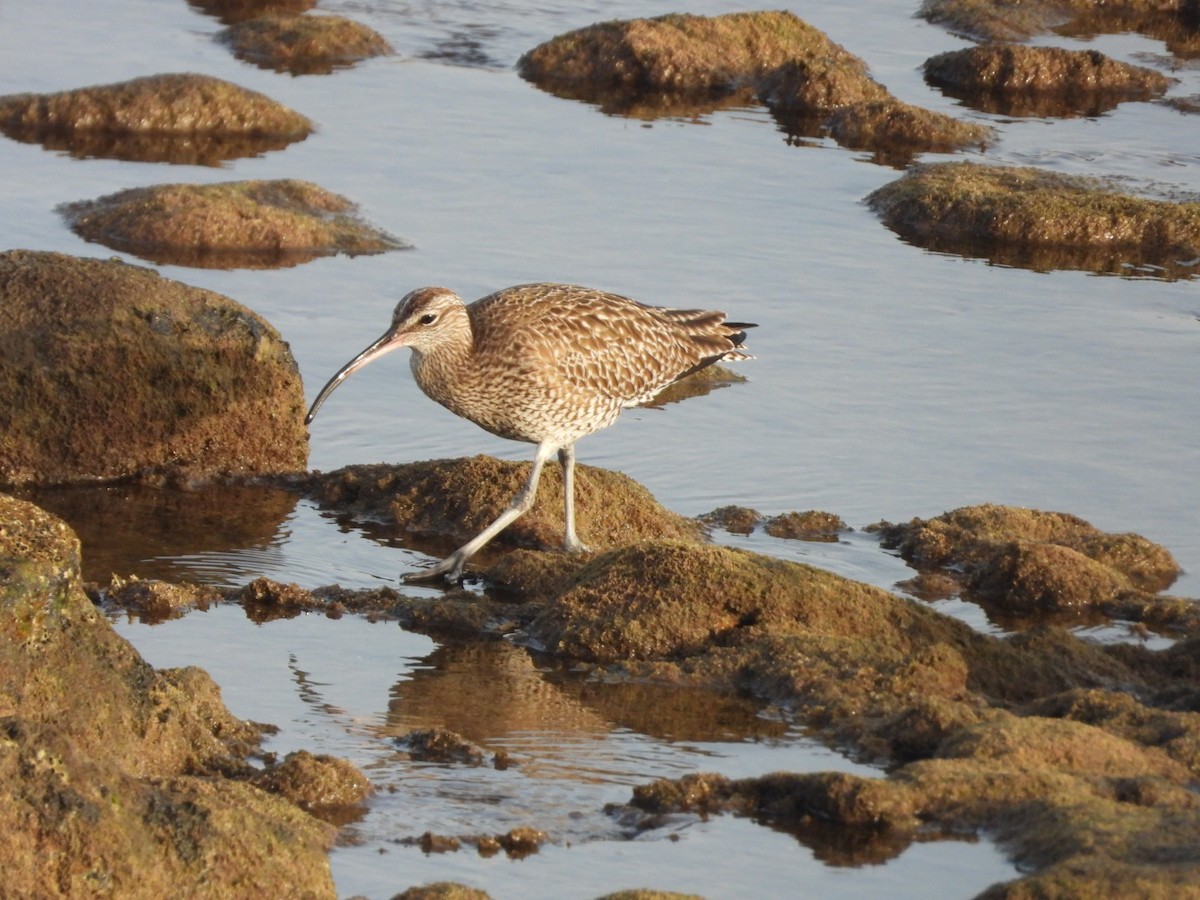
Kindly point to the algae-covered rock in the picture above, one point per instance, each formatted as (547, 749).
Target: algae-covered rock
(677, 55)
(113, 775)
(186, 118)
(303, 44)
(1023, 560)
(661, 599)
(229, 11)
(1015, 80)
(811, 525)
(1040, 220)
(443, 890)
(247, 224)
(109, 371)
(318, 783)
(682, 64)
(1171, 21)
(453, 500)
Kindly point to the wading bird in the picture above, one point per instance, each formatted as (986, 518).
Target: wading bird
(547, 364)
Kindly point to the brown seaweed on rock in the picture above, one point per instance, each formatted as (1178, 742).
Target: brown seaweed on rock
(1014, 80)
(1174, 22)
(141, 793)
(1021, 561)
(111, 372)
(1040, 220)
(303, 44)
(689, 65)
(448, 501)
(186, 119)
(233, 224)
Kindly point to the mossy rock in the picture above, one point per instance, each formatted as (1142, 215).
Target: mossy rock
(109, 371)
(303, 44)
(1016, 20)
(178, 118)
(682, 64)
(454, 499)
(668, 600)
(1015, 80)
(247, 224)
(1025, 560)
(137, 793)
(1040, 220)
(230, 11)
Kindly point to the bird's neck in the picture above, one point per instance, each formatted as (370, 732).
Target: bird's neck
(443, 371)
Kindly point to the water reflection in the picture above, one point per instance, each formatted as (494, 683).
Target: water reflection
(126, 529)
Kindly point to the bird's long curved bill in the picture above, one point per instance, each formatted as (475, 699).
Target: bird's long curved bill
(386, 342)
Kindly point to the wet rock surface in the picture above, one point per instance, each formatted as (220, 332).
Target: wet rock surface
(235, 224)
(1040, 220)
(230, 11)
(1170, 21)
(178, 118)
(1077, 756)
(1015, 80)
(330, 788)
(447, 502)
(687, 65)
(125, 786)
(303, 44)
(1017, 561)
(183, 384)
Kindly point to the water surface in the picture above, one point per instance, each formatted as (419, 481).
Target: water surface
(890, 383)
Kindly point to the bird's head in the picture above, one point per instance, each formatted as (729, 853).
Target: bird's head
(425, 319)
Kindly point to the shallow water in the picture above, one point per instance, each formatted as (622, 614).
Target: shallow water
(890, 383)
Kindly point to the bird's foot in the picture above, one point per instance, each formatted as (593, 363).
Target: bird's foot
(449, 570)
(575, 545)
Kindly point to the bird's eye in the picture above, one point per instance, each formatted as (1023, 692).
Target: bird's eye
(427, 319)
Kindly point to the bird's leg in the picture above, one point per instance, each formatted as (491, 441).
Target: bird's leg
(566, 456)
(452, 566)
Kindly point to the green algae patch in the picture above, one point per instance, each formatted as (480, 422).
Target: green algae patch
(176, 118)
(234, 224)
(447, 502)
(1023, 561)
(303, 44)
(111, 372)
(1040, 220)
(139, 793)
(687, 65)
(1015, 80)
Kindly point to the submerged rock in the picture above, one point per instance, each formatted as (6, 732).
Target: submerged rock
(246, 224)
(303, 44)
(114, 774)
(686, 65)
(1014, 80)
(189, 119)
(109, 371)
(1040, 220)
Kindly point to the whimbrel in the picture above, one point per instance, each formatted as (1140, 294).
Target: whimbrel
(547, 364)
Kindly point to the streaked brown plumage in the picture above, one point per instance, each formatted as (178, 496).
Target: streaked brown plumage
(544, 363)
